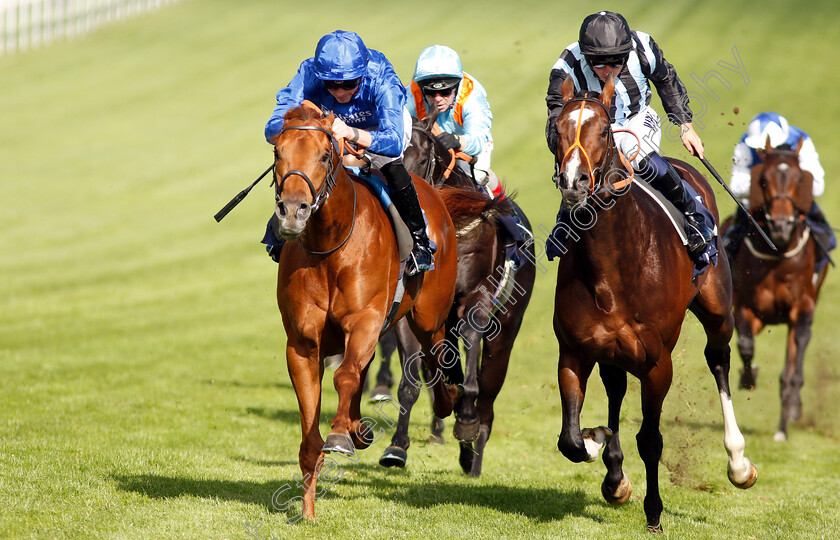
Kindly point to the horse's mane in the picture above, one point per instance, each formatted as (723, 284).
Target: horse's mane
(302, 113)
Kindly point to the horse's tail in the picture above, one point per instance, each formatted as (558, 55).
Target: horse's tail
(466, 206)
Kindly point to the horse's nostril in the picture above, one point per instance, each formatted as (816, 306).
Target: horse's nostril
(304, 210)
(281, 208)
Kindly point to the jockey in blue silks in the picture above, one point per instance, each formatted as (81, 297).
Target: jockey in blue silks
(606, 46)
(775, 127)
(360, 87)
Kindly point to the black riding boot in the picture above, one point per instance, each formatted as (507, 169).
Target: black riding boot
(405, 199)
(664, 178)
(735, 234)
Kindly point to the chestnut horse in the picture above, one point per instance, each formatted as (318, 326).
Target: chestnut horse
(780, 287)
(487, 332)
(336, 283)
(622, 292)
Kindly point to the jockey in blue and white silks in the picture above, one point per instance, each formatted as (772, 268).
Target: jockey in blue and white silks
(776, 127)
(359, 85)
(773, 127)
(607, 47)
(464, 114)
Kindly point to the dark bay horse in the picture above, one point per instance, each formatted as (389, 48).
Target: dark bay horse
(486, 330)
(778, 287)
(336, 280)
(622, 292)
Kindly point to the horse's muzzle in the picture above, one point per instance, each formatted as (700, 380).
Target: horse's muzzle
(291, 218)
(781, 230)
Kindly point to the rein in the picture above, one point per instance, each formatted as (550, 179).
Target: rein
(320, 197)
(594, 188)
(454, 156)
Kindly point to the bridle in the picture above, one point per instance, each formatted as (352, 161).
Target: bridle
(609, 155)
(435, 160)
(320, 197)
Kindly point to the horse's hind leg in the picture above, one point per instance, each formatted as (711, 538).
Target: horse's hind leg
(792, 378)
(407, 393)
(748, 326)
(712, 308)
(616, 487)
(655, 386)
(306, 374)
(384, 380)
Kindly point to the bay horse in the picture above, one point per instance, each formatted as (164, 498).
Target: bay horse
(622, 291)
(780, 287)
(336, 280)
(486, 331)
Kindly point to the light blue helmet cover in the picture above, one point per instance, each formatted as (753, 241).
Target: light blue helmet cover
(340, 56)
(438, 62)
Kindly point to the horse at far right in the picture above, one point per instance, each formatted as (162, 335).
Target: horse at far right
(781, 285)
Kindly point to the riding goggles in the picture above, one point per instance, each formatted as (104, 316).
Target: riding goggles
(604, 61)
(343, 85)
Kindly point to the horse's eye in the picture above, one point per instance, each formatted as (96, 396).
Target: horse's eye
(325, 157)
(605, 132)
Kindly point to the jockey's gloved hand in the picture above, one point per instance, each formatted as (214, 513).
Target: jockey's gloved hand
(449, 140)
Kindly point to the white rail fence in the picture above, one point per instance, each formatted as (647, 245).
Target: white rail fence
(29, 24)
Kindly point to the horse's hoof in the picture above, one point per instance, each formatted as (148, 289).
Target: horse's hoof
(780, 436)
(380, 393)
(621, 494)
(455, 392)
(656, 529)
(339, 443)
(394, 456)
(594, 439)
(465, 432)
(436, 439)
(362, 436)
(752, 476)
(748, 381)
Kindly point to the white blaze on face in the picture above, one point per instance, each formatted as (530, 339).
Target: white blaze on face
(575, 162)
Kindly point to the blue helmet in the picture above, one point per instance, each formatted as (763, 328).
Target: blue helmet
(340, 56)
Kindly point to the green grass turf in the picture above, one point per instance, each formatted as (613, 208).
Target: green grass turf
(143, 391)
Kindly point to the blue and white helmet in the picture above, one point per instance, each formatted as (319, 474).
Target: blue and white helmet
(341, 56)
(438, 68)
(764, 125)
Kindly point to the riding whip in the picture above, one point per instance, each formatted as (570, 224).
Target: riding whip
(740, 205)
(238, 199)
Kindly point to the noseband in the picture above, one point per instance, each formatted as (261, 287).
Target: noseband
(321, 196)
(608, 156)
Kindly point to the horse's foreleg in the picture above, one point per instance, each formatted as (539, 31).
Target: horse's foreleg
(360, 345)
(655, 387)
(572, 377)
(470, 330)
(616, 487)
(792, 377)
(306, 374)
(748, 326)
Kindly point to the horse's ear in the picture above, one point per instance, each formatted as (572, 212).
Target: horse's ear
(799, 145)
(767, 145)
(608, 91)
(431, 117)
(568, 89)
(756, 190)
(805, 192)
